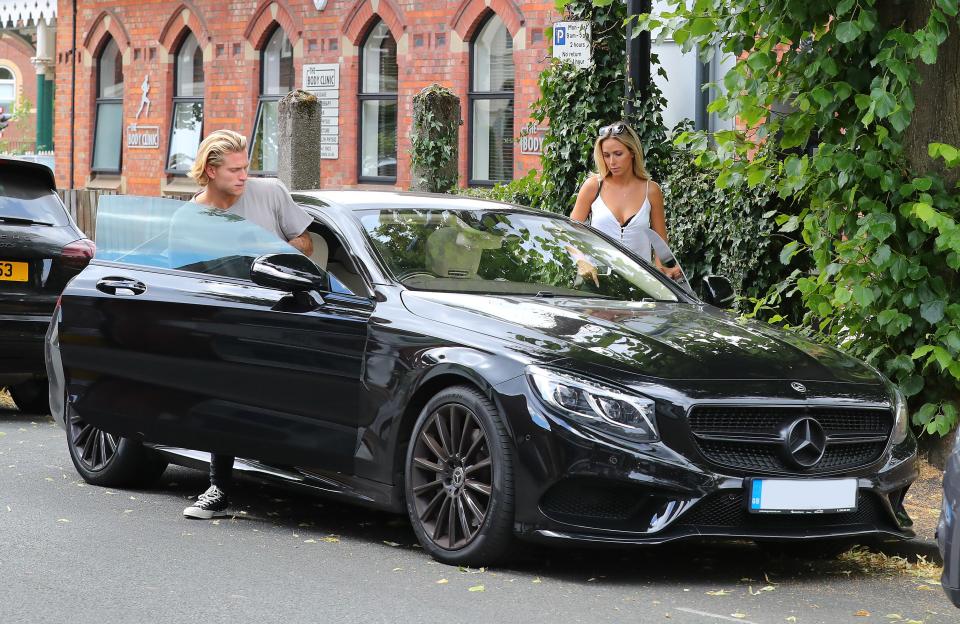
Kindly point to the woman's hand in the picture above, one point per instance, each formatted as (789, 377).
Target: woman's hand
(587, 270)
(673, 272)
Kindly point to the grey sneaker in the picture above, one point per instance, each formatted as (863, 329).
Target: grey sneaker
(210, 504)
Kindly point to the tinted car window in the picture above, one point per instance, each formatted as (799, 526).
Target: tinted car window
(504, 252)
(173, 234)
(24, 195)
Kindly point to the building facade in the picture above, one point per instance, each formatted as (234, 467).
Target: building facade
(153, 78)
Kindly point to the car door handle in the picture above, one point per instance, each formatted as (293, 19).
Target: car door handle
(121, 286)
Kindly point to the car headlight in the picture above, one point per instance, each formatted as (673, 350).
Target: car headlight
(901, 422)
(595, 404)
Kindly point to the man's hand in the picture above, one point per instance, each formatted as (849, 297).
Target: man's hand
(673, 272)
(303, 244)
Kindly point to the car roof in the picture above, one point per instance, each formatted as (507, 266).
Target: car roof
(34, 172)
(368, 200)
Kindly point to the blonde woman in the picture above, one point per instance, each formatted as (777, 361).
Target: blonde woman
(621, 199)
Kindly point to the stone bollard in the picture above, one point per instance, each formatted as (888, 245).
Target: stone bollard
(298, 143)
(436, 129)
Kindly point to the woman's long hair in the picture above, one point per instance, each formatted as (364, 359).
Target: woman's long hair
(621, 131)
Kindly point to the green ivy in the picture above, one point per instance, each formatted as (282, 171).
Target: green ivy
(434, 144)
(525, 191)
(574, 103)
(881, 234)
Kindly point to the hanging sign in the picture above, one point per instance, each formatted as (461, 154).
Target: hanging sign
(571, 43)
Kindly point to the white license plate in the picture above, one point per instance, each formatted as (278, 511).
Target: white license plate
(806, 496)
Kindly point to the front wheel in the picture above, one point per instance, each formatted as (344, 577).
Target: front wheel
(459, 479)
(105, 459)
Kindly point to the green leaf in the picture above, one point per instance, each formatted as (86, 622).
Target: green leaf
(862, 295)
(919, 352)
(847, 32)
(948, 6)
(844, 7)
(932, 312)
(925, 414)
(788, 251)
(911, 385)
(943, 357)
(702, 26)
(882, 256)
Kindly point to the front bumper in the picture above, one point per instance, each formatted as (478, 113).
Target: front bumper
(575, 486)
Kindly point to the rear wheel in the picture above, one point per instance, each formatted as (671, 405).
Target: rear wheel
(105, 459)
(31, 396)
(459, 479)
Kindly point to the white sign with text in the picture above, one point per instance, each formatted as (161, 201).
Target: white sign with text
(323, 81)
(571, 43)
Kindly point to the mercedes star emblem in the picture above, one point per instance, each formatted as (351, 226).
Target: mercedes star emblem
(799, 387)
(806, 442)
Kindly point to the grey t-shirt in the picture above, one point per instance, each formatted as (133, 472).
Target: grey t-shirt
(266, 202)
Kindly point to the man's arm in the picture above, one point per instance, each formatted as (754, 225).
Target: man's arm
(303, 243)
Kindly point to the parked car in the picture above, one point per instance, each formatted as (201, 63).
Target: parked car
(41, 248)
(444, 356)
(948, 530)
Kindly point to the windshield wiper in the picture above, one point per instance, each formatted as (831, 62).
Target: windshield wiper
(23, 221)
(545, 293)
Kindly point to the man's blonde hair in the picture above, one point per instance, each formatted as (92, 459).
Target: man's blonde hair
(212, 151)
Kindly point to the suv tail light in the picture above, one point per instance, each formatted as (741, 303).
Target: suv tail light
(78, 254)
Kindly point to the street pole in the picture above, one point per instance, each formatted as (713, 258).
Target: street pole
(638, 58)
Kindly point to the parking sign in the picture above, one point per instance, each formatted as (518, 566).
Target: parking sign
(571, 43)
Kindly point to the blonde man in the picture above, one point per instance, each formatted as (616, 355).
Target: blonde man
(221, 169)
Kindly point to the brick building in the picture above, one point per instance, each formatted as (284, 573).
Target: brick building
(152, 78)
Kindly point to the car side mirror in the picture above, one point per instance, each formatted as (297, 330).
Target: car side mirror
(717, 291)
(291, 272)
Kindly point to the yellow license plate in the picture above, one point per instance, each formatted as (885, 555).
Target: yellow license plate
(14, 271)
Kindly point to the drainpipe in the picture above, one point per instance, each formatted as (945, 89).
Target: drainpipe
(73, 93)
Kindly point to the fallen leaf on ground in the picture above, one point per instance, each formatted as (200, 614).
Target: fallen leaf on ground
(739, 616)
(862, 613)
(718, 592)
(792, 618)
(477, 588)
(62, 520)
(442, 582)
(894, 616)
(389, 543)
(536, 580)
(398, 569)
(310, 541)
(330, 539)
(924, 587)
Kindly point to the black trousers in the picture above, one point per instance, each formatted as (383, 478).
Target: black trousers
(221, 471)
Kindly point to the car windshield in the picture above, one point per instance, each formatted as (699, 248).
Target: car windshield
(506, 252)
(25, 198)
(173, 234)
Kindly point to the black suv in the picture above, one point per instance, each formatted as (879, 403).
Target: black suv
(41, 248)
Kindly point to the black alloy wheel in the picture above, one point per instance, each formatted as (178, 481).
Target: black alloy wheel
(93, 448)
(106, 459)
(458, 479)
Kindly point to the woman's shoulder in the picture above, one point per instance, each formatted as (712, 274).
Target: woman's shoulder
(592, 183)
(654, 188)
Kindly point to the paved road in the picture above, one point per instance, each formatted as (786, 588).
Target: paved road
(71, 552)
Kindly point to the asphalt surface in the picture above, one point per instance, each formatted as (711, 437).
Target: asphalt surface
(72, 552)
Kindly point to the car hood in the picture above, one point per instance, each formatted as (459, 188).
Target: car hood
(656, 340)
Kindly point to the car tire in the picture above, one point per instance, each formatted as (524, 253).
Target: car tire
(108, 460)
(458, 479)
(31, 396)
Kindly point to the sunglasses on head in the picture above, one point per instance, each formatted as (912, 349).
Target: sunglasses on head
(614, 129)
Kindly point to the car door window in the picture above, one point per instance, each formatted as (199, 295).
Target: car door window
(173, 234)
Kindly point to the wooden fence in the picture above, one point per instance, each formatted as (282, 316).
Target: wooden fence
(82, 206)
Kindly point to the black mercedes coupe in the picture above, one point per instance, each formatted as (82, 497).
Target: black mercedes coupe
(493, 371)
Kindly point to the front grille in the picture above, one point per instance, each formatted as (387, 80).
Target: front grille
(728, 510)
(753, 438)
(584, 498)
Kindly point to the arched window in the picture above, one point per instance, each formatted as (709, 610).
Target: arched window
(378, 106)
(276, 80)
(8, 89)
(187, 127)
(491, 104)
(107, 145)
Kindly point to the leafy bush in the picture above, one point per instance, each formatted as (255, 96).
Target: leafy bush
(727, 231)
(525, 191)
